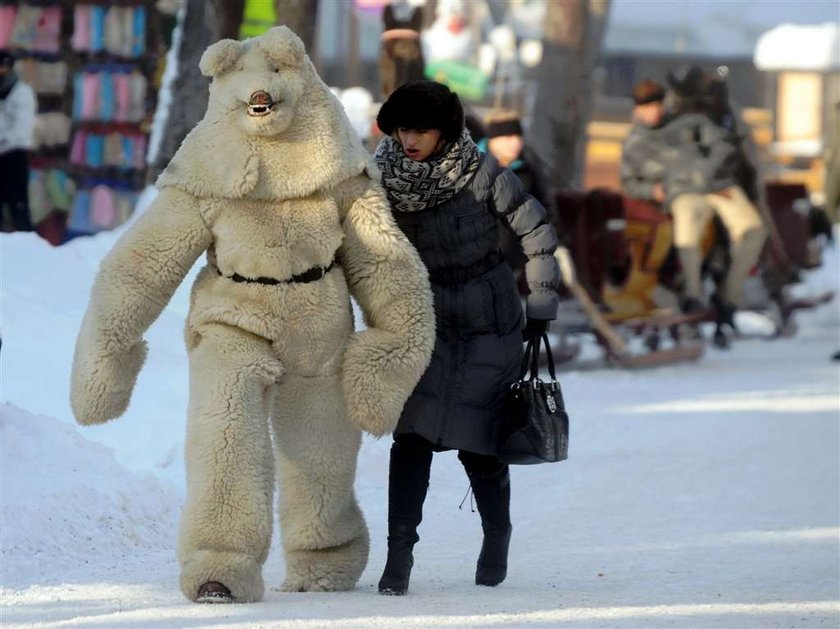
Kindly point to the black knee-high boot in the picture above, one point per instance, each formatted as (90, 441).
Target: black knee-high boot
(408, 481)
(492, 496)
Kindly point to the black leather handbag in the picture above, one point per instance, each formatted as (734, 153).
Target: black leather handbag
(537, 426)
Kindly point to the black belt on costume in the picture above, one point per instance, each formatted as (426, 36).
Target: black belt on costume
(309, 275)
(447, 276)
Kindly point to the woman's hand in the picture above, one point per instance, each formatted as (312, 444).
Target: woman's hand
(534, 329)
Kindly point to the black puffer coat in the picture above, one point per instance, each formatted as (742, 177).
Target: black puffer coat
(459, 401)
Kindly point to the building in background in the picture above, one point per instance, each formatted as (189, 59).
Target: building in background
(802, 64)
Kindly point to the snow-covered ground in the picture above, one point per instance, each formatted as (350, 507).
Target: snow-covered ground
(702, 495)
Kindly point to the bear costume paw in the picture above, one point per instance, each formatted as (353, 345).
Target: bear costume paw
(376, 381)
(102, 383)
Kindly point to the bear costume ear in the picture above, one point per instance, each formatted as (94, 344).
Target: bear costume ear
(220, 57)
(283, 46)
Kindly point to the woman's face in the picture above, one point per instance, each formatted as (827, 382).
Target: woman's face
(419, 144)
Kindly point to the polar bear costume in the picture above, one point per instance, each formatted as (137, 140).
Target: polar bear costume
(273, 184)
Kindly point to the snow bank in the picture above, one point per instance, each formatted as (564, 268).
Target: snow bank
(44, 292)
(66, 500)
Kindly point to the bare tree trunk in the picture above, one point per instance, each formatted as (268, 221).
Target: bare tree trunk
(571, 41)
(204, 22)
(596, 28)
(228, 17)
(302, 17)
(354, 71)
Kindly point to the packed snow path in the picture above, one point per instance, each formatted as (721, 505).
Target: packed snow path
(702, 495)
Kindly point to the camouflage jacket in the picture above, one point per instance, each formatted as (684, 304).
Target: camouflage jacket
(689, 153)
(642, 161)
(698, 155)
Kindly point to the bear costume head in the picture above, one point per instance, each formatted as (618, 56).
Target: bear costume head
(272, 129)
(259, 82)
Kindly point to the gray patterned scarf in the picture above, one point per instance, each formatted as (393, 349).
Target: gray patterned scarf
(412, 186)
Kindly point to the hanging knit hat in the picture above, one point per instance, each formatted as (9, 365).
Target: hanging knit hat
(422, 105)
(503, 123)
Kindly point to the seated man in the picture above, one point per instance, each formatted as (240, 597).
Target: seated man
(642, 170)
(701, 162)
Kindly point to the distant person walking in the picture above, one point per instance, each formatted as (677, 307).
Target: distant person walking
(17, 121)
(503, 139)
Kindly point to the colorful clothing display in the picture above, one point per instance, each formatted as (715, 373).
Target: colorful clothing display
(45, 77)
(89, 65)
(100, 205)
(117, 149)
(36, 28)
(119, 30)
(49, 190)
(109, 93)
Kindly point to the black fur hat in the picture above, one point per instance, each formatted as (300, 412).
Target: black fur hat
(689, 81)
(422, 105)
(7, 59)
(692, 90)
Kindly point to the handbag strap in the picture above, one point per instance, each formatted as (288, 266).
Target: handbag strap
(550, 358)
(527, 360)
(531, 359)
(535, 360)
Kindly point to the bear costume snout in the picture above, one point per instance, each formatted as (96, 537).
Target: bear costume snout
(260, 103)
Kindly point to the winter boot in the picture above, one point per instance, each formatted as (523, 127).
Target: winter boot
(724, 318)
(213, 592)
(408, 482)
(691, 306)
(492, 496)
(401, 540)
(724, 310)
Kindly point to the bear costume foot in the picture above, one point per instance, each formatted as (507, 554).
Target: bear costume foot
(326, 570)
(213, 592)
(239, 574)
(301, 584)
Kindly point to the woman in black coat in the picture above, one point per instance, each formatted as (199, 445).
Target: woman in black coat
(450, 200)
